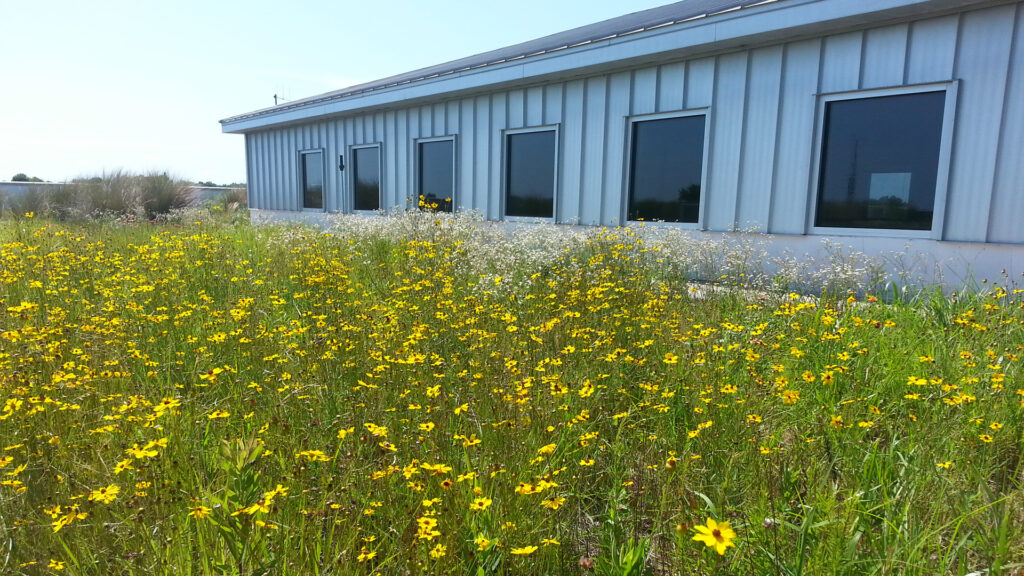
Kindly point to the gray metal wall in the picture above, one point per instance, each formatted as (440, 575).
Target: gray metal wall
(763, 108)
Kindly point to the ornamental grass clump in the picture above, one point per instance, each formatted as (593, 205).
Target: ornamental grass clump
(112, 195)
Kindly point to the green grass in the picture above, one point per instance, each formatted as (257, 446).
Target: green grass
(341, 402)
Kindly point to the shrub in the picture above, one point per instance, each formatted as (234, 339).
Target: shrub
(159, 194)
(22, 177)
(231, 199)
(113, 193)
(116, 194)
(32, 201)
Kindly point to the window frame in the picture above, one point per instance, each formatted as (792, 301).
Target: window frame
(301, 173)
(942, 172)
(704, 164)
(352, 166)
(417, 159)
(505, 133)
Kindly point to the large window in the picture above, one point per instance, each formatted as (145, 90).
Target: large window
(880, 160)
(366, 178)
(436, 167)
(530, 158)
(312, 180)
(666, 168)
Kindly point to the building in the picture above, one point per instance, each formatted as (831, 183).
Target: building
(885, 124)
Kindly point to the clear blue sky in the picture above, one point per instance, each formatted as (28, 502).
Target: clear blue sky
(139, 85)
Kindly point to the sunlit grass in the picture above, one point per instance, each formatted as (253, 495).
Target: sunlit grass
(417, 396)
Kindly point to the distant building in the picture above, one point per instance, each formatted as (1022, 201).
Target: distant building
(880, 123)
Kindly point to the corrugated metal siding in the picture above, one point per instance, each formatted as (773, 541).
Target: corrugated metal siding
(620, 88)
(982, 58)
(1006, 222)
(727, 112)
(763, 109)
(570, 176)
(759, 125)
(793, 143)
(595, 113)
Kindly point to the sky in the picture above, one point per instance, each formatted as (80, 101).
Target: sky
(87, 88)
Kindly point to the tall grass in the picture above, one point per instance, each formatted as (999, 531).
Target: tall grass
(428, 395)
(116, 194)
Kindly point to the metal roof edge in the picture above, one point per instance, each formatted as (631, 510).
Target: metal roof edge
(286, 113)
(403, 78)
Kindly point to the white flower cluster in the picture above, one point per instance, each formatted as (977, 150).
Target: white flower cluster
(505, 256)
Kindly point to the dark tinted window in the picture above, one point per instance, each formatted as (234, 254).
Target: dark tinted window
(312, 180)
(879, 160)
(530, 174)
(436, 168)
(666, 168)
(366, 178)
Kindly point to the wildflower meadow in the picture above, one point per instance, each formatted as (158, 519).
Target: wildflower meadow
(424, 394)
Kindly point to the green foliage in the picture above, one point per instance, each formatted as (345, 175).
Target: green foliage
(22, 177)
(283, 400)
(618, 558)
(239, 488)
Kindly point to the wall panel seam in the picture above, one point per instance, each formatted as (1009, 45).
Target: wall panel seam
(1007, 79)
(744, 125)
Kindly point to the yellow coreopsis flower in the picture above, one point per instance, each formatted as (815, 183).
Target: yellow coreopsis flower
(167, 404)
(313, 456)
(123, 465)
(524, 551)
(140, 453)
(526, 488)
(715, 535)
(199, 512)
(72, 515)
(365, 555)
(553, 503)
(106, 494)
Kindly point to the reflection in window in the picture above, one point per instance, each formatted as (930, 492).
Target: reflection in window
(366, 178)
(530, 174)
(665, 169)
(312, 180)
(437, 175)
(879, 160)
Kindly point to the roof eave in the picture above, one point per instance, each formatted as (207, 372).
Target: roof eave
(736, 28)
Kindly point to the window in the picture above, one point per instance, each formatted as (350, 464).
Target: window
(312, 179)
(666, 169)
(436, 167)
(880, 161)
(530, 173)
(366, 178)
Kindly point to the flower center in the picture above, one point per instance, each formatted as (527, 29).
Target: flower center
(717, 534)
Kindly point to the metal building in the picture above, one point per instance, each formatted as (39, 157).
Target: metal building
(882, 122)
